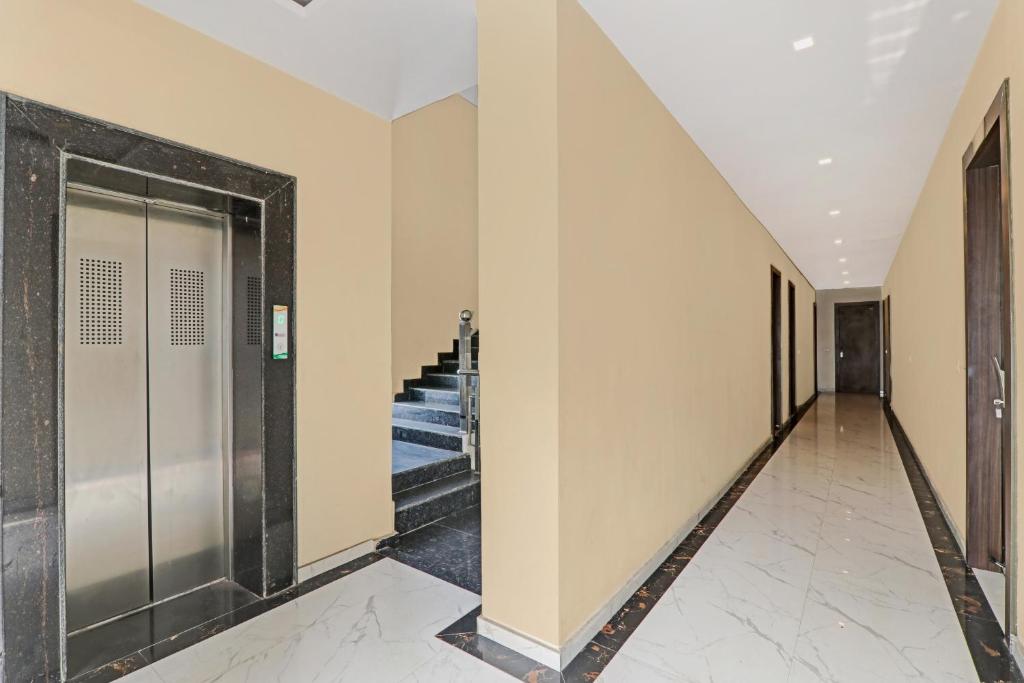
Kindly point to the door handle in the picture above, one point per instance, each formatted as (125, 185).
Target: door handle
(999, 403)
(1001, 376)
(840, 354)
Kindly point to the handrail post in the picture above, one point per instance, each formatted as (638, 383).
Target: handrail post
(469, 386)
(465, 363)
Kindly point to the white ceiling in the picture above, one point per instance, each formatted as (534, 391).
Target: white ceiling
(389, 57)
(875, 92)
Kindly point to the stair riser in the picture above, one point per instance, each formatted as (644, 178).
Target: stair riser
(434, 395)
(436, 508)
(438, 380)
(454, 355)
(429, 415)
(448, 442)
(452, 366)
(428, 473)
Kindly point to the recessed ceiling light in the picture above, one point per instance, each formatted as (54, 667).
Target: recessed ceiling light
(960, 16)
(833, 212)
(842, 259)
(846, 282)
(825, 162)
(803, 43)
(838, 240)
(846, 272)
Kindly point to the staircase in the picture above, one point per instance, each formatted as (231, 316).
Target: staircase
(431, 472)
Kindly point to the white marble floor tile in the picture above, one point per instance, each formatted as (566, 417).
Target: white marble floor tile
(147, 675)
(625, 669)
(377, 624)
(993, 585)
(822, 571)
(452, 665)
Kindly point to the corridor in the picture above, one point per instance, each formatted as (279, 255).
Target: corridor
(821, 571)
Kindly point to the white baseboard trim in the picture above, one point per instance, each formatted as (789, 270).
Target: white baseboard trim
(328, 563)
(546, 654)
(559, 658)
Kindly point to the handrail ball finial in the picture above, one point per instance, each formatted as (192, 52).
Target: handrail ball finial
(466, 315)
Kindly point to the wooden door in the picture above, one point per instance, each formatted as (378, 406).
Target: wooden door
(887, 348)
(987, 308)
(776, 347)
(857, 347)
(791, 351)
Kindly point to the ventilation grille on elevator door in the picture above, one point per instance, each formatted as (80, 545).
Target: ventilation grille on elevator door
(253, 311)
(188, 307)
(100, 301)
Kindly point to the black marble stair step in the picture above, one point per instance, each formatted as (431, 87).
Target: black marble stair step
(422, 505)
(423, 411)
(438, 379)
(434, 394)
(452, 366)
(426, 434)
(431, 470)
(474, 354)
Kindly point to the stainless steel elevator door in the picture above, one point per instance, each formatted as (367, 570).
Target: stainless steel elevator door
(186, 399)
(105, 483)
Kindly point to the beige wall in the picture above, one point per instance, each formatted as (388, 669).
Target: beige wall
(117, 61)
(926, 278)
(646, 315)
(433, 232)
(827, 299)
(519, 243)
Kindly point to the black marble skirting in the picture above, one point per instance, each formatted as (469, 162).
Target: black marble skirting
(596, 655)
(37, 144)
(985, 638)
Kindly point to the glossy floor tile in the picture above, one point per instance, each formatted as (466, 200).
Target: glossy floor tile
(994, 585)
(377, 624)
(819, 567)
(822, 571)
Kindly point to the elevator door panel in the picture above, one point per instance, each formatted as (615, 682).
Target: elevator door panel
(186, 402)
(106, 490)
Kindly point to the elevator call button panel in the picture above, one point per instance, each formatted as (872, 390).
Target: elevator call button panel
(280, 332)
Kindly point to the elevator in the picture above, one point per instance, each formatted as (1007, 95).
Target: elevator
(147, 402)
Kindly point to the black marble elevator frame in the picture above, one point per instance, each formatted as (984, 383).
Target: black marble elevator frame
(35, 142)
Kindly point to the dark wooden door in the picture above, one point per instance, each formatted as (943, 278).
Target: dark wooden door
(857, 344)
(986, 272)
(776, 345)
(791, 351)
(814, 344)
(887, 348)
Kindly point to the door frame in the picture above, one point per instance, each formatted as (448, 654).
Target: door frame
(791, 346)
(814, 344)
(45, 139)
(835, 339)
(887, 349)
(776, 350)
(998, 115)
